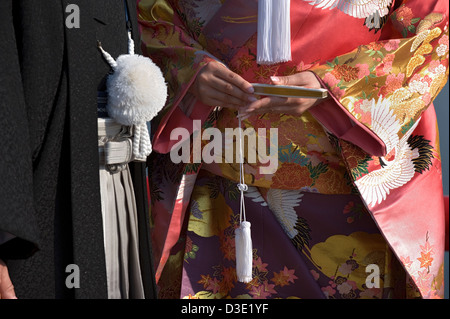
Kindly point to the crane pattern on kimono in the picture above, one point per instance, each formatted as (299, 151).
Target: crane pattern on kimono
(412, 155)
(375, 12)
(282, 203)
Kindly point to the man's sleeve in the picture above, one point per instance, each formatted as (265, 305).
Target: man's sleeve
(16, 174)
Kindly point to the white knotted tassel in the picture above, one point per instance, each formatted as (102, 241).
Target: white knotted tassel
(243, 238)
(136, 93)
(142, 146)
(274, 31)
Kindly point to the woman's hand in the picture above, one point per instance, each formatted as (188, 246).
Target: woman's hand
(216, 85)
(291, 106)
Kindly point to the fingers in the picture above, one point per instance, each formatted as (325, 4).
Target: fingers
(6, 286)
(217, 84)
(280, 80)
(234, 79)
(266, 105)
(220, 103)
(290, 106)
(306, 79)
(226, 92)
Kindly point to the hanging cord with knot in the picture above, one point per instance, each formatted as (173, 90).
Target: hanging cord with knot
(241, 186)
(243, 239)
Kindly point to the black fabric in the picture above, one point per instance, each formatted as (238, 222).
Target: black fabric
(49, 190)
(140, 185)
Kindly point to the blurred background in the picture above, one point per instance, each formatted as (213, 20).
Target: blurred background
(441, 104)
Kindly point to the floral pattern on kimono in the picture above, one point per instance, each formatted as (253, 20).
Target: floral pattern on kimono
(376, 136)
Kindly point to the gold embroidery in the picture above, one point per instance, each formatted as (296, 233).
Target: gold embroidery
(405, 105)
(245, 63)
(424, 49)
(400, 95)
(429, 21)
(432, 35)
(437, 84)
(416, 106)
(418, 59)
(408, 109)
(413, 64)
(418, 40)
(425, 37)
(265, 71)
(239, 20)
(290, 70)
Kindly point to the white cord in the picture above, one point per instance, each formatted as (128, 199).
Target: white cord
(130, 44)
(243, 238)
(142, 146)
(107, 56)
(241, 186)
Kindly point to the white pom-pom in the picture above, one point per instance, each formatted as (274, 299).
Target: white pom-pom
(136, 90)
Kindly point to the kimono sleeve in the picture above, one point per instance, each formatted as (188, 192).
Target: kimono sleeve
(382, 88)
(172, 46)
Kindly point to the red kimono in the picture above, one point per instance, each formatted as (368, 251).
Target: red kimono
(383, 63)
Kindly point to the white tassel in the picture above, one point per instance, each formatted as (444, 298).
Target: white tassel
(243, 238)
(274, 31)
(244, 253)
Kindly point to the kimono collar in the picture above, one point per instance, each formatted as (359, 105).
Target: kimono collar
(269, 18)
